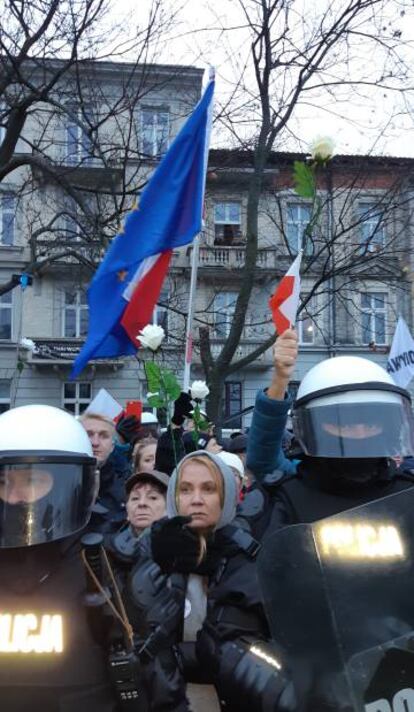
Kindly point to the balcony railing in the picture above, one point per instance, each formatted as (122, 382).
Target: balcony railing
(235, 257)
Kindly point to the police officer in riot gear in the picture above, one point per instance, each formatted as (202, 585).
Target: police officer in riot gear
(342, 608)
(48, 657)
(350, 420)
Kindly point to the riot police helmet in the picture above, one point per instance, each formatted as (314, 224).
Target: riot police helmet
(47, 476)
(350, 407)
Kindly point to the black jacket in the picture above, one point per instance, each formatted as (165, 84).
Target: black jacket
(46, 581)
(316, 491)
(234, 622)
(109, 511)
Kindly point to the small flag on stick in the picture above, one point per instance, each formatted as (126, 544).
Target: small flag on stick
(285, 301)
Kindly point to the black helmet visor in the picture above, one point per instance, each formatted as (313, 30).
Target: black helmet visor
(373, 429)
(44, 498)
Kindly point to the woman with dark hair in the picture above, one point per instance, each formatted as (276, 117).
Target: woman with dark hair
(193, 599)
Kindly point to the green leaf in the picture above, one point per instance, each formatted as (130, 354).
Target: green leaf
(304, 180)
(153, 376)
(203, 425)
(171, 384)
(156, 402)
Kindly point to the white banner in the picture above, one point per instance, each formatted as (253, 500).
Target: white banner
(401, 359)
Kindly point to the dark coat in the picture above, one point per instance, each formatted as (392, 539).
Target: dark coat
(313, 494)
(156, 605)
(109, 511)
(47, 579)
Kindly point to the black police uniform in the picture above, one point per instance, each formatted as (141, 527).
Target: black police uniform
(322, 488)
(49, 580)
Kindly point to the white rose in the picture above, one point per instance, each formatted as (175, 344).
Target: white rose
(28, 344)
(199, 390)
(151, 336)
(322, 148)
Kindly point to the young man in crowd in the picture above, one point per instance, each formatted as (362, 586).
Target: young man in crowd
(114, 469)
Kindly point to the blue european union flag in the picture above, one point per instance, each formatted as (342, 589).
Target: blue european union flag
(169, 215)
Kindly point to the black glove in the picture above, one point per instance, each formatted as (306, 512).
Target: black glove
(182, 408)
(153, 601)
(127, 427)
(170, 449)
(174, 546)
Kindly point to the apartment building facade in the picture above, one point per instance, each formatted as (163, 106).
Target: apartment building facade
(357, 265)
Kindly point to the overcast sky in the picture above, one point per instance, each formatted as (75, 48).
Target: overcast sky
(211, 32)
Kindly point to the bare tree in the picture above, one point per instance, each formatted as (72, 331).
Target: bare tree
(295, 59)
(363, 235)
(71, 154)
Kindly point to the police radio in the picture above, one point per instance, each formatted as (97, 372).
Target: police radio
(123, 664)
(124, 673)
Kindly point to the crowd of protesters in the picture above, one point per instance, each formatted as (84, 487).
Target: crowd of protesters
(174, 508)
(184, 514)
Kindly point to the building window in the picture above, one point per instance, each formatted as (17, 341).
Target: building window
(6, 315)
(298, 217)
(78, 148)
(232, 405)
(4, 395)
(160, 314)
(227, 224)
(373, 307)
(224, 305)
(8, 218)
(76, 397)
(306, 324)
(372, 229)
(75, 314)
(155, 131)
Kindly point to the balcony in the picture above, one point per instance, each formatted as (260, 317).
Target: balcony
(233, 258)
(62, 352)
(84, 169)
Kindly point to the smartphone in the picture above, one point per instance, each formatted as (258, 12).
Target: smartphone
(134, 407)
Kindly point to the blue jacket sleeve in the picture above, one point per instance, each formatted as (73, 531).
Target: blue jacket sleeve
(264, 448)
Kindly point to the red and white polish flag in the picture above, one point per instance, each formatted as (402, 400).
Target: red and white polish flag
(143, 291)
(285, 301)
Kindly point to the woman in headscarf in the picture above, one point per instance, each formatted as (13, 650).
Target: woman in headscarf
(194, 601)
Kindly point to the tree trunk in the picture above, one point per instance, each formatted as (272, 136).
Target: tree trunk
(215, 398)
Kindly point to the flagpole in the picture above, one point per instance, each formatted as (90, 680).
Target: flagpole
(195, 259)
(190, 315)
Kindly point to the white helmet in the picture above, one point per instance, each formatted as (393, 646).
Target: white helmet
(42, 427)
(349, 407)
(47, 476)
